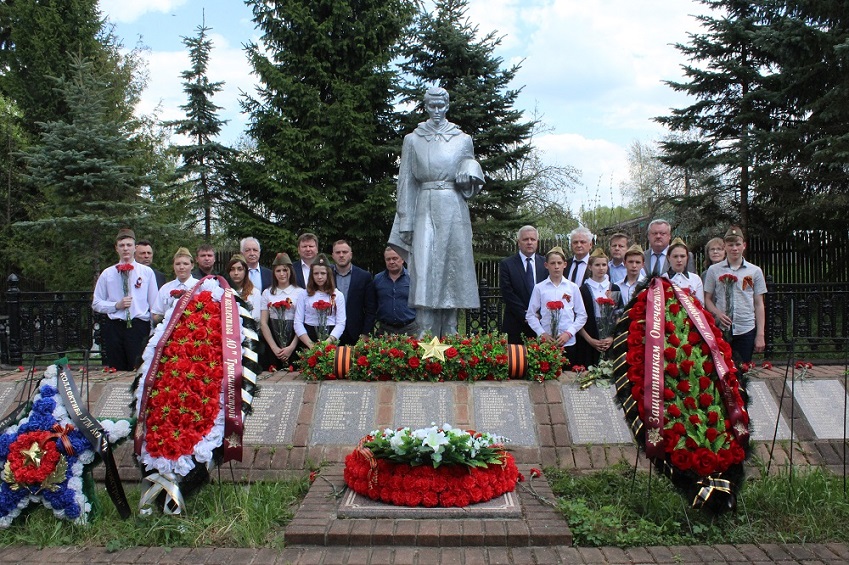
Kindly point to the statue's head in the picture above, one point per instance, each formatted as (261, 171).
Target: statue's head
(436, 103)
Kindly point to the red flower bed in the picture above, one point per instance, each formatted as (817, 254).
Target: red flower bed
(446, 486)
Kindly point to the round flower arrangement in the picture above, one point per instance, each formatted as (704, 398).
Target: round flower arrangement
(46, 459)
(681, 393)
(435, 466)
(195, 390)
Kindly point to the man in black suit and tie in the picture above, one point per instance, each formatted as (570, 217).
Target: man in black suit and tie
(660, 234)
(307, 250)
(260, 276)
(517, 276)
(360, 301)
(581, 241)
(144, 255)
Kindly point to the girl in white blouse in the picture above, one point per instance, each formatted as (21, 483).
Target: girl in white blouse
(320, 287)
(173, 290)
(237, 268)
(678, 274)
(278, 322)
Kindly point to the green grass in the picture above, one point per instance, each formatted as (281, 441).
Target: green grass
(220, 515)
(605, 509)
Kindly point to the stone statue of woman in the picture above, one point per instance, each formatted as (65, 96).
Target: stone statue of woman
(432, 230)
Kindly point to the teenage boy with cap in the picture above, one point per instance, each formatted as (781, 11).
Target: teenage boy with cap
(747, 289)
(125, 293)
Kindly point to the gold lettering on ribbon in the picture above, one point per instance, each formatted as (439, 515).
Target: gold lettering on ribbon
(653, 369)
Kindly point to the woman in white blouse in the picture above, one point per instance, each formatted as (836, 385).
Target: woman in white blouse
(278, 309)
(237, 268)
(173, 290)
(321, 287)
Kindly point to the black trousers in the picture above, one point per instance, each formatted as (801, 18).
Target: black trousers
(124, 346)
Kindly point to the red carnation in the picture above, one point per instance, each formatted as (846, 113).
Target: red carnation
(705, 348)
(705, 400)
(679, 428)
(711, 434)
(693, 338)
(672, 370)
(683, 386)
(673, 410)
(713, 417)
(669, 353)
(704, 383)
(695, 420)
(687, 349)
(708, 367)
(690, 402)
(681, 459)
(668, 394)
(704, 461)
(670, 327)
(673, 340)
(674, 308)
(686, 366)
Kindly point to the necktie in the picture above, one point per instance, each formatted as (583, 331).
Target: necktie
(656, 269)
(576, 265)
(529, 273)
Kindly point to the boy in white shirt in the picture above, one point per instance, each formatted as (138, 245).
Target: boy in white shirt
(556, 299)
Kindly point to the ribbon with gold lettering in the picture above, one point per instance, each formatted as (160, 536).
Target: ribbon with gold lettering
(736, 414)
(179, 307)
(232, 361)
(96, 435)
(653, 416)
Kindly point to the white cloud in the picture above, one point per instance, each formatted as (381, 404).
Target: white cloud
(603, 165)
(123, 11)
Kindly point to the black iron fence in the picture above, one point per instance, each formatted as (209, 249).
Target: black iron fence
(807, 321)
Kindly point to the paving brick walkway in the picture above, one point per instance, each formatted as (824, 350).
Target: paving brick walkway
(541, 536)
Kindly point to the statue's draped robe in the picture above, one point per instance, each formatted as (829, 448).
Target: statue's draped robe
(440, 260)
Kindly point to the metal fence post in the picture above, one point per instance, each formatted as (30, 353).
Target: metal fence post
(13, 307)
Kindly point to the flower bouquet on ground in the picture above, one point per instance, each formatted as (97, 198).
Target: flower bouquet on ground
(435, 466)
(47, 455)
(194, 392)
(681, 394)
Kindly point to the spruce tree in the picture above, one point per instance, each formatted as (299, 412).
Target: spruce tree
(445, 50)
(85, 168)
(728, 76)
(323, 141)
(205, 167)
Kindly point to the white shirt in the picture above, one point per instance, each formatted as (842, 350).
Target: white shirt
(164, 300)
(141, 284)
(690, 281)
(292, 292)
(255, 300)
(598, 290)
(626, 290)
(305, 314)
(573, 316)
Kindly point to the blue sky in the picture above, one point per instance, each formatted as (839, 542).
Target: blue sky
(593, 70)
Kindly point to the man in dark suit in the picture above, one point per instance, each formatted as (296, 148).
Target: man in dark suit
(144, 255)
(659, 235)
(307, 250)
(260, 276)
(517, 276)
(356, 284)
(581, 241)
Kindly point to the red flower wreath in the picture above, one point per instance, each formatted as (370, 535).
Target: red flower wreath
(184, 402)
(35, 468)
